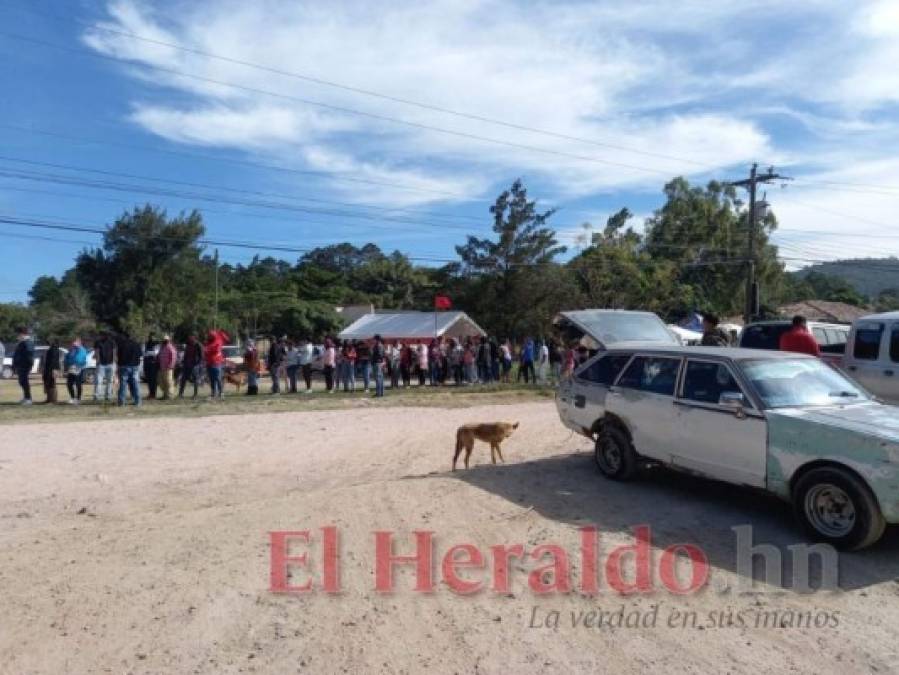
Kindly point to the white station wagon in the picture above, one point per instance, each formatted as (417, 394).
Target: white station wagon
(786, 423)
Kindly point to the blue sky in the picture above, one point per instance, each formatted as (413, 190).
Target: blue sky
(633, 94)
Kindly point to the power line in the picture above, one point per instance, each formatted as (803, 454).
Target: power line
(341, 109)
(237, 162)
(375, 94)
(228, 189)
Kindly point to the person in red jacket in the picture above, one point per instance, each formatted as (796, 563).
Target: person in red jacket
(799, 339)
(212, 354)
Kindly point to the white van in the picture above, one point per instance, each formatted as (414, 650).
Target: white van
(872, 354)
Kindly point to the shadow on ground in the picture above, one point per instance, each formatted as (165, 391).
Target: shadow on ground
(679, 508)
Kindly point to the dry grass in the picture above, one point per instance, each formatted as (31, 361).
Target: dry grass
(238, 404)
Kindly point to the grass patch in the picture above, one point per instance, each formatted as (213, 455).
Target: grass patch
(238, 404)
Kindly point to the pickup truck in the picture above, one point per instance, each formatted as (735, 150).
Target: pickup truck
(872, 355)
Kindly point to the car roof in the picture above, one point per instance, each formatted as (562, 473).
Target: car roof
(787, 322)
(882, 315)
(735, 353)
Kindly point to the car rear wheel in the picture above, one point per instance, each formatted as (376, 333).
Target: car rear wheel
(614, 454)
(837, 508)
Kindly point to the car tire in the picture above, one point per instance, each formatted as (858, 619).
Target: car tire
(89, 375)
(837, 508)
(614, 454)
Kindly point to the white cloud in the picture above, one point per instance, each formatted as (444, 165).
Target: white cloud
(702, 83)
(563, 67)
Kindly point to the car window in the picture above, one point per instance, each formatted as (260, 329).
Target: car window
(894, 344)
(765, 336)
(867, 341)
(705, 381)
(820, 336)
(834, 336)
(652, 374)
(605, 369)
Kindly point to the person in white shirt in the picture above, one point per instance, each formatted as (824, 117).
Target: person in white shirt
(542, 362)
(292, 363)
(305, 356)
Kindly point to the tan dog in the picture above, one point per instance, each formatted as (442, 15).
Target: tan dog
(494, 434)
(237, 378)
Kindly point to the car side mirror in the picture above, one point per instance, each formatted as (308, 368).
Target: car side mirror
(734, 400)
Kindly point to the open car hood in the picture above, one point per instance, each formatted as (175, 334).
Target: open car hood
(604, 328)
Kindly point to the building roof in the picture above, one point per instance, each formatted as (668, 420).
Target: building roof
(408, 325)
(823, 310)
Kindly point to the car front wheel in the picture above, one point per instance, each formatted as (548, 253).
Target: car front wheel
(614, 454)
(837, 508)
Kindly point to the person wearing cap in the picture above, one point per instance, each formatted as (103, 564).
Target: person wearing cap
(165, 361)
(254, 366)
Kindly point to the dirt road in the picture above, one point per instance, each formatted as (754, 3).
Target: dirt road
(142, 546)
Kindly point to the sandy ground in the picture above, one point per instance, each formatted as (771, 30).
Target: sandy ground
(142, 546)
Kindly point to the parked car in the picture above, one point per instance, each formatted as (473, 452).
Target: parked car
(831, 337)
(786, 423)
(872, 354)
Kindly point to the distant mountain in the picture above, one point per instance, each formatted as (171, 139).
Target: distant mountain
(869, 276)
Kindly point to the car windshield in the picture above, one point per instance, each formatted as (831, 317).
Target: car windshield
(788, 383)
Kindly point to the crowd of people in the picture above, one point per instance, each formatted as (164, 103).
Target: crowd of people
(347, 365)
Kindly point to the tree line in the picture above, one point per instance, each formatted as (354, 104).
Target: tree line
(153, 272)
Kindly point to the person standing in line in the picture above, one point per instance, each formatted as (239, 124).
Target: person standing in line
(555, 361)
(348, 356)
(23, 362)
(393, 360)
(363, 358)
(128, 356)
(166, 360)
(329, 359)
(469, 360)
(483, 358)
(104, 355)
(493, 346)
(305, 356)
(252, 364)
(434, 362)
(276, 354)
(454, 358)
(422, 354)
(49, 370)
(292, 364)
(527, 361)
(378, 362)
(2, 354)
(505, 351)
(542, 355)
(407, 359)
(191, 365)
(73, 364)
(151, 365)
(215, 360)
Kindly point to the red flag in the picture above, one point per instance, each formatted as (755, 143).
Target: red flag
(442, 302)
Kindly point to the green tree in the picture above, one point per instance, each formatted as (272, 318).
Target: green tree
(503, 273)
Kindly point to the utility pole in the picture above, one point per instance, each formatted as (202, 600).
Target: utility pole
(752, 290)
(215, 316)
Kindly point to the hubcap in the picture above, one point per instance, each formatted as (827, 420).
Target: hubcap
(610, 455)
(830, 510)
